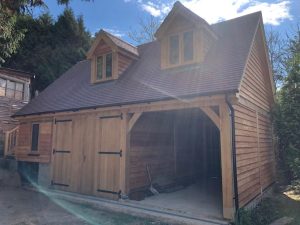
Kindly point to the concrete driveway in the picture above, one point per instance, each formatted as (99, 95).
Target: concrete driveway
(24, 207)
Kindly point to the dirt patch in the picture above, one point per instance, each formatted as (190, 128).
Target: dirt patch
(23, 207)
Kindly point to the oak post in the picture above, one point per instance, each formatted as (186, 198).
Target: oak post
(124, 160)
(226, 162)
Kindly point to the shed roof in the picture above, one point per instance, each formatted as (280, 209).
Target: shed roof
(144, 81)
(14, 72)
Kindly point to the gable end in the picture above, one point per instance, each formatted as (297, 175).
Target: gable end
(256, 85)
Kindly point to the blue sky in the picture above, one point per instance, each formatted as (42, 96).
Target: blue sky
(121, 16)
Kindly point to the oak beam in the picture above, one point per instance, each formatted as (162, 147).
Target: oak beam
(133, 120)
(226, 162)
(162, 105)
(212, 115)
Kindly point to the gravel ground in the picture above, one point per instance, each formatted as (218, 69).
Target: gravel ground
(23, 207)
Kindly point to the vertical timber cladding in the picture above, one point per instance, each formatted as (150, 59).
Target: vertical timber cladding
(62, 154)
(74, 154)
(107, 166)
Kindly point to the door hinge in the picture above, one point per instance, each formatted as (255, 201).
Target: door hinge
(62, 121)
(110, 192)
(110, 117)
(59, 184)
(111, 153)
(60, 151)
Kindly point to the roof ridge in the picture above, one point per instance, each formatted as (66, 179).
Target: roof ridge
(236, 18)
(120, 39)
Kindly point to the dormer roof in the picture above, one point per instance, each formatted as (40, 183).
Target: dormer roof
(180, 10)
(114, 42)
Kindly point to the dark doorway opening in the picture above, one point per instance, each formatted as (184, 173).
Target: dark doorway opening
(182, 151)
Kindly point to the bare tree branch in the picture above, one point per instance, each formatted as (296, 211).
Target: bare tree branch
(277, 46)
(145, 32)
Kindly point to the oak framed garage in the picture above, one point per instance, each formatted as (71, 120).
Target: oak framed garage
(93, 118)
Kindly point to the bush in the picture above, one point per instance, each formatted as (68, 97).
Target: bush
(264, 213)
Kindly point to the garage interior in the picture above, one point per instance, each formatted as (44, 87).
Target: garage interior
(176, 153)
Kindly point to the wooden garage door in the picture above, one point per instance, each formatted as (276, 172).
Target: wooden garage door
(62, 154)
(108, 157)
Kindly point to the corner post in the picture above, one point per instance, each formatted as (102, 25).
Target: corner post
(124, 160)
(226, 162)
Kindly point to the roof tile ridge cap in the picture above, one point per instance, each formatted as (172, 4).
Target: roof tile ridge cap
(147, 43)
(237, 18)
(120, 39)
(178, 4)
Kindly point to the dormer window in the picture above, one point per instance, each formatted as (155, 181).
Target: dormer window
(184, 38)
(109, 57)
(181, 49)
(104, 67)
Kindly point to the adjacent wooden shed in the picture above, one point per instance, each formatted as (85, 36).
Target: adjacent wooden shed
(191, 107)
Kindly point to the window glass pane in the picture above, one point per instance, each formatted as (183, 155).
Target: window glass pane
(108, 65)
(174, 49)
(18, 95)
(99, 67)
(2, 82)
(2, 87)
(10, 90)
(35, 137)
(188, 46)
(2, 91)
(19, 87)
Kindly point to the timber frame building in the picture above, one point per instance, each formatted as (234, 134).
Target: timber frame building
(14, 94)
(192, 105)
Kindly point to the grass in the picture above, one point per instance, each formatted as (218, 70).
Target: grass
(284, 204)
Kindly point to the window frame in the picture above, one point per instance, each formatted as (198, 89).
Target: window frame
(13, 90)
(181, 60)
(5, 86)
(104, 65)
(38, 138)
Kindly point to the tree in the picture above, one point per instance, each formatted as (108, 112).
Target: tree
(287, 119)
(10, 35)
(50, 47)
(145, 32)
(277, 47)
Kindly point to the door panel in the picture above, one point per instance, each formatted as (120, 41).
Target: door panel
(88, 155)
(62, 155)
(108, 158)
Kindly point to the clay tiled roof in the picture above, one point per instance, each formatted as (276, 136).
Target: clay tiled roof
(144, 81)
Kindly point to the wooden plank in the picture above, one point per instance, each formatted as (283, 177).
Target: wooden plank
(226, 162)
(212, 115)
(61, 176)
(108, 165)
(163, 105)
(133, 120)
(126, 125)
